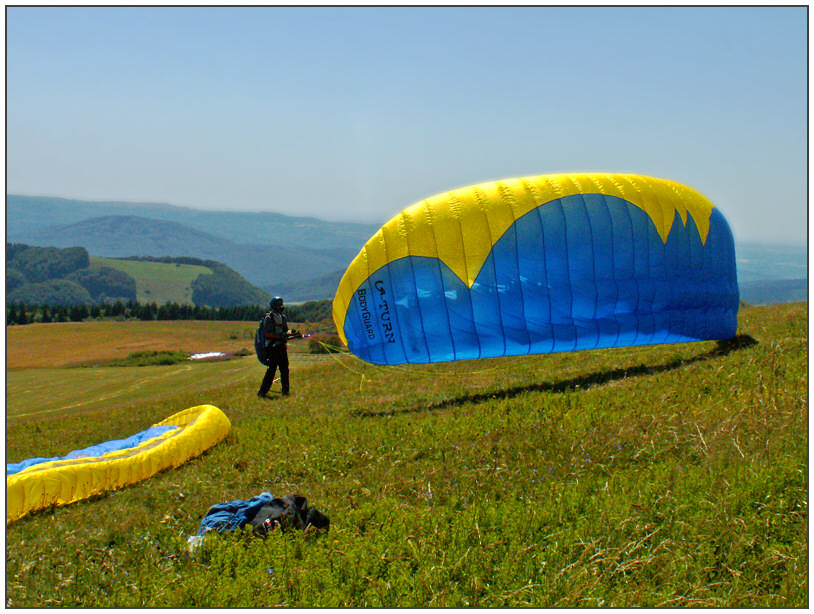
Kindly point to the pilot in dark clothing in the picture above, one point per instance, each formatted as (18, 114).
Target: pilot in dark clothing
(275, 327)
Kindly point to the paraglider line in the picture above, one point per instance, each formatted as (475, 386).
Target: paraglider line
(331, 349)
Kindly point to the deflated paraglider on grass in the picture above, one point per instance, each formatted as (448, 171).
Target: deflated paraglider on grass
(41, 482)
(541, 264)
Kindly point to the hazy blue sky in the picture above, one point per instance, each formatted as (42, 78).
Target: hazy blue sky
(355, 113)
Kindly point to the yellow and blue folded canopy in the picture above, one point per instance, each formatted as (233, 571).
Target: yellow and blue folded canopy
(38, 483)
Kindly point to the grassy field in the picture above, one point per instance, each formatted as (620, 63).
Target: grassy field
(157, 282)
(87, 343)
(652, 476)
(38, 386)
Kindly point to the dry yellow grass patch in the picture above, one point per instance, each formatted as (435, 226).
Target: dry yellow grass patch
(70, 343)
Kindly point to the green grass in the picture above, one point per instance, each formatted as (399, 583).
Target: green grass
(652, 476)
(34, 395)
(150, 358)
(157, 282)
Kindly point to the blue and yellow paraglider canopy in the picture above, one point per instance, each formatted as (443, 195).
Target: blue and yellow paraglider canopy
(541, 264)
(37, 483)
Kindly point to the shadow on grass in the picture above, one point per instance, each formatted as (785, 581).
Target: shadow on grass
(582, 382)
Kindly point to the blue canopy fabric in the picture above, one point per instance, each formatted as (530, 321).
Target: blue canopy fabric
(525, 267)
(233, 514)
(97, 450)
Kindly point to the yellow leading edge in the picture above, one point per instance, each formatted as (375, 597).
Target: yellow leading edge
(65, 481)
(461, 226)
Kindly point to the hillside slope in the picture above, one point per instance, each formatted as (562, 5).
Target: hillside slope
(27, 214)
(656, 476)
(759, 262)
(70, 277)
(774, 291)
(314, 289)
(124, 236)
(296, 256)
(157, 282)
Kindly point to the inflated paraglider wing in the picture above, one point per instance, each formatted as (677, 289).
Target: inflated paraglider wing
(541, 264)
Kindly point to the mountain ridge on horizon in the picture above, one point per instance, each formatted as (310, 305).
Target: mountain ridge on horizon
(25, 213)
(270, 249)
(120, 236)
(147, 205)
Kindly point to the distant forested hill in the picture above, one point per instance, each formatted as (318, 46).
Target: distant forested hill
(53, 276)
(310, 289)
(758, 262)
(774, 291)
(25, 214)
(263, 265)
(267, 249)
(301, 258)
(772, 274)
(69, 277)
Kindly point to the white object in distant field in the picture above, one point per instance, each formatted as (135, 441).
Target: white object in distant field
(206, 355)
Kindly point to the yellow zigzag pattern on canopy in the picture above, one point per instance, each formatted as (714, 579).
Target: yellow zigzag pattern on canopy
(461, 226)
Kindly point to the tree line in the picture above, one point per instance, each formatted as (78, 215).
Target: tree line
(21, 313)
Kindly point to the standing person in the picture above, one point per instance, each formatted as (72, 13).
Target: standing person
(275, 328)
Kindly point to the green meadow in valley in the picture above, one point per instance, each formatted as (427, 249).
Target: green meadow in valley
(673, 475)
(159, 282)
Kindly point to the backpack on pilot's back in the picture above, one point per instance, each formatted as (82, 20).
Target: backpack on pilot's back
(260, 342)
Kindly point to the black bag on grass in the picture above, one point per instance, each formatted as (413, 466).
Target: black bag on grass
(289, 512)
